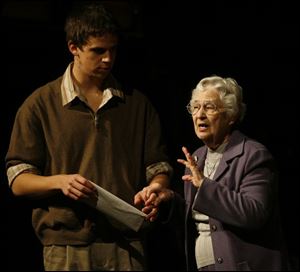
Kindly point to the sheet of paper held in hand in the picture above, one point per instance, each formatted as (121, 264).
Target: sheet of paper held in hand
(118, 209)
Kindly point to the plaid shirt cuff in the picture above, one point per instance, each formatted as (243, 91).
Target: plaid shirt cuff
(14, 171)
(158, 168)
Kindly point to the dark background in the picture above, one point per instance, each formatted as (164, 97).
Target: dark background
(167, 47)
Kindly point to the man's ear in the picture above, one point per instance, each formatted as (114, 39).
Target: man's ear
(73, 48)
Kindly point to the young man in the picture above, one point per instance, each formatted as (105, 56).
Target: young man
(80, 129)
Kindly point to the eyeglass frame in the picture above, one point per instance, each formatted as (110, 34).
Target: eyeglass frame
(205, 103)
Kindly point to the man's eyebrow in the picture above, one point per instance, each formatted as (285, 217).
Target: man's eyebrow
(99, 48)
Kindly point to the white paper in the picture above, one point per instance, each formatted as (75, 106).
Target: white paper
(118, 209)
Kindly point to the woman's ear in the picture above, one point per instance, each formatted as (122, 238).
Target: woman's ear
(232, 121)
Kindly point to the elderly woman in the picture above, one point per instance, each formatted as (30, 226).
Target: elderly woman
(230, 190)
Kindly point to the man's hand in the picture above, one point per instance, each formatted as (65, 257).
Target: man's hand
(77, 187)
(150, 198)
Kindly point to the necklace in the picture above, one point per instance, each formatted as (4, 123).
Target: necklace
(210, 168)
(212, 160)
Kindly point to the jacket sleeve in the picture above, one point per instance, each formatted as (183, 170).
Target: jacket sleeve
(243, 195)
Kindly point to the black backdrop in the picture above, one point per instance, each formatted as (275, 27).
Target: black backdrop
(167, 47)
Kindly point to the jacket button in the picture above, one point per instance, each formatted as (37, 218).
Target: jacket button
(214, 227)
(220, 260)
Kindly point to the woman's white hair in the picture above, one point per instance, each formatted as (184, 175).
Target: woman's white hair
(231, 94)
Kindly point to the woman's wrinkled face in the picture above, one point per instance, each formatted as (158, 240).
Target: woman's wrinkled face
(211, 122)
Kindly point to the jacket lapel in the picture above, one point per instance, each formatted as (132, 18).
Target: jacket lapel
(233, 149)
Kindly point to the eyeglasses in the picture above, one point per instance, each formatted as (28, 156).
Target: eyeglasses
(207, 106)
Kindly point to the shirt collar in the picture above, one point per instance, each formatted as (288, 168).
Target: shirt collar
(69, 91)
(219, 150)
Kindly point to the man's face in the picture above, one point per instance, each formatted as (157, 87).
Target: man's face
(96, 58)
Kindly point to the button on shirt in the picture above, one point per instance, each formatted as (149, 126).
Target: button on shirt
(203, 247)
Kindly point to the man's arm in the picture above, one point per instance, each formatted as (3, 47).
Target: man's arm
(35, 186)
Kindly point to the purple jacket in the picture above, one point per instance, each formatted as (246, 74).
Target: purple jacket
(243, 208)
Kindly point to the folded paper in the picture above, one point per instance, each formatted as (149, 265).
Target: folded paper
(117, 209)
